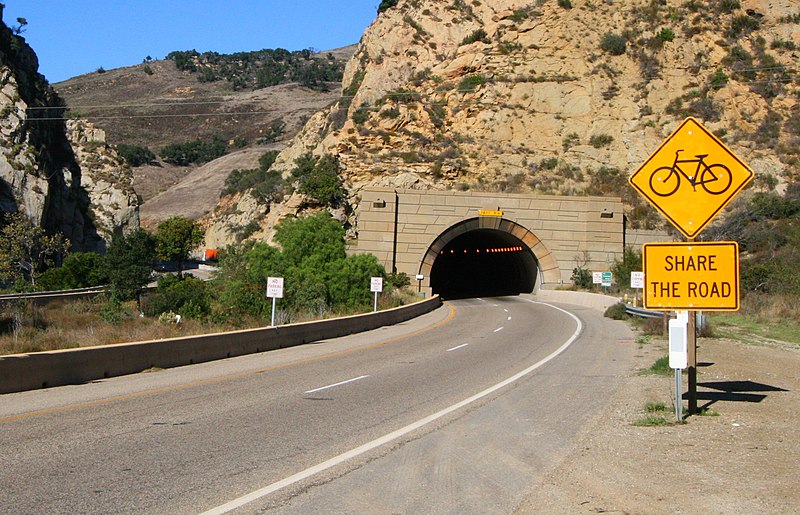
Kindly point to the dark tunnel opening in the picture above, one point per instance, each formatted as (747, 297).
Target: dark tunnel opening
(484, 263)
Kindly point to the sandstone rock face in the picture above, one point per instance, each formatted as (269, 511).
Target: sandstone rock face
(503, 95)
(61, 175)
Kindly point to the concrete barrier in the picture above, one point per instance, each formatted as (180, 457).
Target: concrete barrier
(579, 298)
(20, 372)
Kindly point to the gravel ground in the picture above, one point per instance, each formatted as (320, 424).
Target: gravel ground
(745, 459)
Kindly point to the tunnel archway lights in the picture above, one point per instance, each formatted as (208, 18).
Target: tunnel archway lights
(486, 256)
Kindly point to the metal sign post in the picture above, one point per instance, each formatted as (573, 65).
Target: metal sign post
(376, 286)
(689, 179)
(678, 357)
(274, 291)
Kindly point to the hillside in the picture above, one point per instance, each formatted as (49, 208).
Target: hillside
(154, 104)
(61, 175)
(557, 97)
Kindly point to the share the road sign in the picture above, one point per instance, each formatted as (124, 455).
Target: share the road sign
(691, 275)
(691, 177)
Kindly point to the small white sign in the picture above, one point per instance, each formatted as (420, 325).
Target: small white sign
(597, 277)
(275, 287)
(637, 279)
(678, 344)
(376, 284)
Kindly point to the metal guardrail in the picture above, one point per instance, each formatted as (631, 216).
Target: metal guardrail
(51, 294)
(643, 313)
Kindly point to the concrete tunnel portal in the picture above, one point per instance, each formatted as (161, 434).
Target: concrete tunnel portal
(483, 262)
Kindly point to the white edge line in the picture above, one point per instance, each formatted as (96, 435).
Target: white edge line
(457, 347)
(394, 435)
(337, 384)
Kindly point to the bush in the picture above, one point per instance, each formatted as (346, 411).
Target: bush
(472, 82)
(79, 270)
(477, 35)
(318, 179)
(614, 44)
(616, 312)
(581, 277)
(135, 155)
(601, 140)
(187, 296)
(386, 4)
(741, 25)
(666, 35)
(193, 152)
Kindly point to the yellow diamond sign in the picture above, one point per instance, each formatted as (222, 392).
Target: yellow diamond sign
(691, 177)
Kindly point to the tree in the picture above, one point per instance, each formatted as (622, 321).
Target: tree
(318, 178)
(79, 270)
(176, 237)
(26, 250)
(129, 264)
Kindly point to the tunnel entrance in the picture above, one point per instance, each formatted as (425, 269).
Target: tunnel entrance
(483, 263)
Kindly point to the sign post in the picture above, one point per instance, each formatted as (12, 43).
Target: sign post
(274, 291)
(376, 286)
(689, 179)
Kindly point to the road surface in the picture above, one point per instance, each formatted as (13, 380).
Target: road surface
(458, 411)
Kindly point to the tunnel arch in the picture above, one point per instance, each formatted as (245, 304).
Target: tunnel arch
(487, 256)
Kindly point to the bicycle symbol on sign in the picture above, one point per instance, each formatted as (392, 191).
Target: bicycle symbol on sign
(715, 178)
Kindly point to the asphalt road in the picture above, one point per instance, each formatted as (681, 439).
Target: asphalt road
(458, 411)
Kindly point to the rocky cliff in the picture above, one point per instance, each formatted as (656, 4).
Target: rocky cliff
(61, 174)
(560, 97)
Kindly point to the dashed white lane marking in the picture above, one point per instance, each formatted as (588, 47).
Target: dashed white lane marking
(509, 318)
(337, 384)
(498, 329)
(458, 347)
(504, 309)
(336, 460)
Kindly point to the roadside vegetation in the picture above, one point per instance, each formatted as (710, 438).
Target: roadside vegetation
(261, 68)
(321, 280)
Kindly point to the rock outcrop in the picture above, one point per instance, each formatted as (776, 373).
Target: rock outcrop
(562, 97)
(61, 174)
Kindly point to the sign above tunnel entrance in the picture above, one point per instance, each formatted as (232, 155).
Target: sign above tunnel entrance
(489, 212)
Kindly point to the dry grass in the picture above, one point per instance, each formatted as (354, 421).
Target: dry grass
(79, 323)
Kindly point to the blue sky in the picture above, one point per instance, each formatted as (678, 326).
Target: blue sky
(72, 37)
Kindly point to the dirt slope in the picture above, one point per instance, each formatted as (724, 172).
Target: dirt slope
(745, 460)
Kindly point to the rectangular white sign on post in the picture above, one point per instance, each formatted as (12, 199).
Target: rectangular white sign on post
(376, 284)
(275, 287)
(606, 279)
(637, 280)
(597, 277)
(678, 344)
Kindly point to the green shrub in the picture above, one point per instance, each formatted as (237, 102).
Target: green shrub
(471, 82)
(666, 34)
(187, 296)
(566, 4)
(614, 44)
(601, 140)
(742, 25)
(318, 178)
(581, 277)
(386, 4)
(194, 152)
(477, 35)
(616, 312)
(79, 270)
(135, 155)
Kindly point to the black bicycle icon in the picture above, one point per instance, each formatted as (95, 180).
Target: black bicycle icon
(715, 178)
